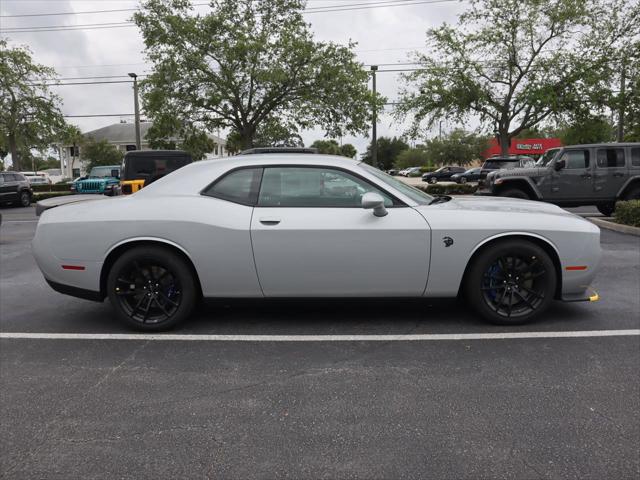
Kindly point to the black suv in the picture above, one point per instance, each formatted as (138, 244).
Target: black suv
(442, 174)
(15, 189)
(598, 174)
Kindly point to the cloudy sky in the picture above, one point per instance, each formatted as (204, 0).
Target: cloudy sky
(384, 34)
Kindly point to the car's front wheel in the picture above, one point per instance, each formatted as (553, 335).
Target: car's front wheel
(511, 282)
(515, 193)
(607, 209)
(433, 180)
(24, 199)
(151, 288)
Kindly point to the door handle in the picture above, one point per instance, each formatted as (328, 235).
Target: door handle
(618, 174)
(270, 221)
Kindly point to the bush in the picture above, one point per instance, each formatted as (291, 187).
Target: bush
(44, 195)
(450, 189)
(428, 169)
(57, 187)
(628, 213)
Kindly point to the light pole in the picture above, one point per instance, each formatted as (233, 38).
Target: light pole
(374, 133)
(136, 109)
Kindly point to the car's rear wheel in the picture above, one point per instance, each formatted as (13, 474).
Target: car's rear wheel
(607, 209)
(24, 199)
(511, 282)
(515, 193)
(433, 180)
(633, 194)
(151, 288)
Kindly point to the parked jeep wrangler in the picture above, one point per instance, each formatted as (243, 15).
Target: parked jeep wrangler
(103, 180)
(598, 174)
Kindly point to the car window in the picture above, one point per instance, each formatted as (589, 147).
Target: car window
(610, 157)
(497, 164)
(1, 178)
(238, 186)
(575, 159)
(313, 187)
(635, 157)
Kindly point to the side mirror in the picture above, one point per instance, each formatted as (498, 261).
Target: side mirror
(372, 200)
(559, 165)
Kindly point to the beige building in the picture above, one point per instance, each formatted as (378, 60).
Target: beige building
(123, 136)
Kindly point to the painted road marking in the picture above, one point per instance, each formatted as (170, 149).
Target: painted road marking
(318, 338)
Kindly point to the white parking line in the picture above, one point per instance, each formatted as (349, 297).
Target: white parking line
(318, 338)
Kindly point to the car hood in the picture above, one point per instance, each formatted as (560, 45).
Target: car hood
(498, 204)
(518, 172)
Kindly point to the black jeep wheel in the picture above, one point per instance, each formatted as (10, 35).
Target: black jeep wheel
(24, 199)
(511, 282)
(633, 193)
(151, 288)
(607, 209)
(515, 193)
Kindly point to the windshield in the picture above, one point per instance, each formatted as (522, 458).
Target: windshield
(497, 164)
(102, 172)
(547, 157)
(473, 170)
(418, 196)
(143, 168)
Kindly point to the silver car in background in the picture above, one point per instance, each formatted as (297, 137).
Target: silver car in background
(296, 225)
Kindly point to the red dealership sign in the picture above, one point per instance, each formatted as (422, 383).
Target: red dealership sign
(523, 146)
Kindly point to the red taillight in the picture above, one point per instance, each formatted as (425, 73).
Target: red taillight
(72, 267)
(576, 267)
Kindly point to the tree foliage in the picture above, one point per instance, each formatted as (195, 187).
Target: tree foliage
(590, 129)
(30, 116)
(99, 153)
(456, 148)
(388, 151)
(247, 63)
(511, 63)
(331, 147)
(412, 157)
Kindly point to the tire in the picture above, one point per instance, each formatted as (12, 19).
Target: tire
(433, 180)
(165, 289)
(606, 209)
(515, 193)
(24, 199)
(463, 179)
(516, 299)
(633, 193)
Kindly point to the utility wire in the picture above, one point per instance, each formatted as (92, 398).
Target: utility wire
(100, 26)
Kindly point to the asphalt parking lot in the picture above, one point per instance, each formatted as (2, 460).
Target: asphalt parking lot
(476, 407)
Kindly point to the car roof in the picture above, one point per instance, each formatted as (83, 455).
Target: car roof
(605, 144)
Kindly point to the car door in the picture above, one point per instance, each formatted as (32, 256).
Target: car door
(575, 180)
(3, 189)
(610, 172)
(311, 237)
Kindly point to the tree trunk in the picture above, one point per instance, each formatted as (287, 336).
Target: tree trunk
(505, 142)
(15, 156)
(246, 136)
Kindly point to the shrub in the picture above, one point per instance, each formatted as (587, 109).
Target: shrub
(628, 213)
(57, 187)
(450, 189)
(37, 196)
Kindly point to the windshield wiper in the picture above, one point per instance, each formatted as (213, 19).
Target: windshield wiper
(440, 199)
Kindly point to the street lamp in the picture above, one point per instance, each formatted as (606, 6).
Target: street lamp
(374, 133)
(136, 109)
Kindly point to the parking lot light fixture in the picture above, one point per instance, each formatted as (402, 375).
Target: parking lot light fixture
(136, 109)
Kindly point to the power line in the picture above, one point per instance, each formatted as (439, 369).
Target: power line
(109, 25)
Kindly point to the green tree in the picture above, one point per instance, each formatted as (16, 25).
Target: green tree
(30, 116)
(388, 151)
(243, 63)
(456, 148)
(511, 63)
(592, 129)
(412, 157)
(196, 142)
(327, 147)
(348, 150)
(99, 153)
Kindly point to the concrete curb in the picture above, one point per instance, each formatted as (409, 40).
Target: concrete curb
(616, 227)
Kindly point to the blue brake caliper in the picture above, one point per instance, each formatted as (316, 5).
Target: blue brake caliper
(493, 270)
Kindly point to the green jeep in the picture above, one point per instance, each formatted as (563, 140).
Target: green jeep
(101, 180)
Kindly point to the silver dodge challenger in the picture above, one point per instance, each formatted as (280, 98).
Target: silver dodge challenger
(300, 225)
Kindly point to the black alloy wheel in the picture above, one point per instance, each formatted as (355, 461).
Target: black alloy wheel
(463, 179)
(25, 199)
(607, 209)
(151, 288)
(511, 282)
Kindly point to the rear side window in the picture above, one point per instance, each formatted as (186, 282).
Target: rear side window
(576, 159)
(610, 157)
(635, 157)
(238, 186)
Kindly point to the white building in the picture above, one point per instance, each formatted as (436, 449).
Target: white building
(123, 136)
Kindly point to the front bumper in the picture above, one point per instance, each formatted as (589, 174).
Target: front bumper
(588, 295)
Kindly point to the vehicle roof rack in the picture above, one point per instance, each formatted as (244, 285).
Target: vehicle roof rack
(258, 150)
